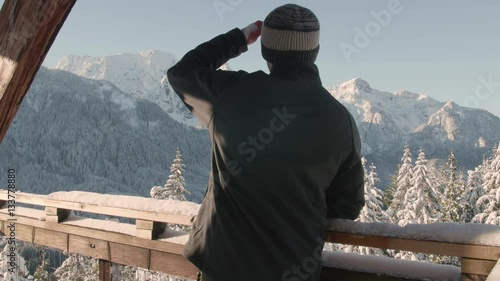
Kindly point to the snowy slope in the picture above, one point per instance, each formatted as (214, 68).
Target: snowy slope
(142, 75)
(387, 121)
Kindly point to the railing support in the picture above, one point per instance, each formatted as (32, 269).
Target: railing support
(104, 270)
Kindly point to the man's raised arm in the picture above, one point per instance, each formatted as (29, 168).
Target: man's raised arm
(195, 77)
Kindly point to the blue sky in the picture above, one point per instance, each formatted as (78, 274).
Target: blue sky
(445, 49)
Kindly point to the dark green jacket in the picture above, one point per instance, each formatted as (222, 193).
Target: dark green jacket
(285, 157)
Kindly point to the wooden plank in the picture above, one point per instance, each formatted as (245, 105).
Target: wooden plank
(419, 246)
(24, 232)
(129, 255)
(96, 209)
(118, 252)
(173, 264)
(474, 266)
(52, 239)
(104, 270)
(335, 274)
(91, 247)
(27, 30)
(99, 234)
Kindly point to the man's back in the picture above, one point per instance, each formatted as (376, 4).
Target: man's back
(285, 157)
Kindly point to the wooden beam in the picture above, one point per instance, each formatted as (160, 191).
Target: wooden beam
(104, 270)
(103, 210)
(419, 246)
(27, 31)
(150, 255)
(474, 266)
(173, 264)
(98, 234)
(149, 229)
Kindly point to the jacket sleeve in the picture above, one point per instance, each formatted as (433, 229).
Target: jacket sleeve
(195, 77)
(345, 196)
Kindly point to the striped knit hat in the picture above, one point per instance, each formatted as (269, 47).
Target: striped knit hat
(290, 33)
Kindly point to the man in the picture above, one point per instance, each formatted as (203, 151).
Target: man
(285, 153)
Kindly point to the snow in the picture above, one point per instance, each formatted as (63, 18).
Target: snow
(164, 206)
(27, 212)
(473, 234)
(392, 267)
(495, 274)
(176, 237)
(105, 225)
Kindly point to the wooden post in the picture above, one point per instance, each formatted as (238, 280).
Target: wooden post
(104, 270)
(148, 229)
(27, 30)
(53, 214)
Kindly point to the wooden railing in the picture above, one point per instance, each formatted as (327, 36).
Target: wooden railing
(149, 245)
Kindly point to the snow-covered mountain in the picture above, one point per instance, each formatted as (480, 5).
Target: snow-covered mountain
(142, 75)
(387, 121)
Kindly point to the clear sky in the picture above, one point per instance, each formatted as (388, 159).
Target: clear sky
(446, 49)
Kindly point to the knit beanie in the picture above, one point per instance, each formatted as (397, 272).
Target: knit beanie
(290, 33)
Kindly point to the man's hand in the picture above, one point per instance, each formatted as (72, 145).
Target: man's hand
(252, 31)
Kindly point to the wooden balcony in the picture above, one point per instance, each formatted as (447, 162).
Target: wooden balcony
(148, 245)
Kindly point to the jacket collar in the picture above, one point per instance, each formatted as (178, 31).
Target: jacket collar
(296, 70)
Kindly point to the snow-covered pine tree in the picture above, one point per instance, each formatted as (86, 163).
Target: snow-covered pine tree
(12, 271)
(452, 207)
(390, 190)
(473, 191)
(404, 181)
(372, 211)
(78, 268)
(491, 178)
(123, 273)
(42, 270)
(489, 204)
(175, 187)
(422, 202)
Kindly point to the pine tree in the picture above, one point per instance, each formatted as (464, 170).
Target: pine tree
(12, 271)
(473, 191)
(123, 273)
(42, 270)
(404, 182)
(422, 200)
(489, 204)
(175, 187)
(372, 211)
(390, 190)
(452, 206)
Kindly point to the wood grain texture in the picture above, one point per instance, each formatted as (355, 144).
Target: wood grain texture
(27, 30)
